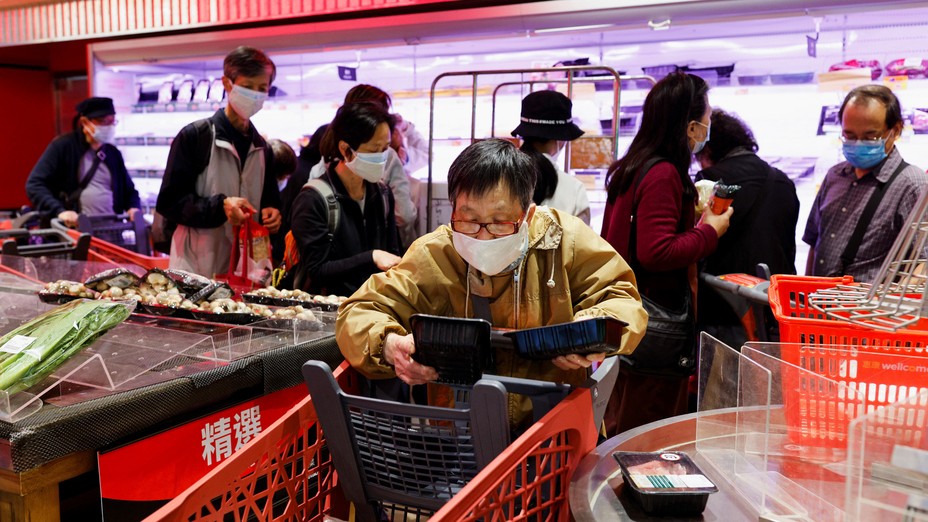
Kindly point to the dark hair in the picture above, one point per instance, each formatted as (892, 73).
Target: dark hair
(728, 134)
(248, 62)
(880, 93)
(284, 158)
(364, 92)
(546, 182)
(485, 164)
(355, 124)
(310, 154)
(671, 105)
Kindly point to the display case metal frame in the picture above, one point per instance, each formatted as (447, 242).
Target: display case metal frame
(616, 78)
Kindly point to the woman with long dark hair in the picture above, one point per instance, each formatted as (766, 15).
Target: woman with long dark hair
(674, 126)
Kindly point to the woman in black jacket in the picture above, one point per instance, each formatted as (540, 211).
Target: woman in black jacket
(339, 252)
(762, 228)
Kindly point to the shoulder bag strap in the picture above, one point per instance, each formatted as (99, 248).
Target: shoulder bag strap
(74, 198)
(853, 244)
(331, 202)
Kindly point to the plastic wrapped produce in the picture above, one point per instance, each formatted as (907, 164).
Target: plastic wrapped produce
(34, 350)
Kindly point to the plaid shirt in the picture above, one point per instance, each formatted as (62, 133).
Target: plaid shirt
(838, 205)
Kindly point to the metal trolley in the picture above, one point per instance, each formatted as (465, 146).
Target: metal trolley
(570, 79)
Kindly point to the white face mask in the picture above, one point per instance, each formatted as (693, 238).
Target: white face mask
(492, 256)
(246, 102)
(104, 134)
(368, 165)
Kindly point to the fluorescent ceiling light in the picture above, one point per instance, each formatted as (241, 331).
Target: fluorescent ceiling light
(574, 28)
(659, 26)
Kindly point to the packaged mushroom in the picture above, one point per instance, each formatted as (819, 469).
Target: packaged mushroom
(186, 282)
(276, 297)
(294, 312)
(62, 291)
(115, 278)
(159, 289)
(226, 310)
(330, 302)
(213, 291)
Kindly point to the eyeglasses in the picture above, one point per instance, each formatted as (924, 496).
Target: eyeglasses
(869, 141)
(103, 122)
(496, 228)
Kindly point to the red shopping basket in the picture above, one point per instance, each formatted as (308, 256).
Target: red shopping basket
(849, 370)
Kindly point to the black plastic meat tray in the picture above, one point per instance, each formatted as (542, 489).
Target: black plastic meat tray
(458, 349)
(284, 301)
(165, 311)
(595, 335)
(665, 483)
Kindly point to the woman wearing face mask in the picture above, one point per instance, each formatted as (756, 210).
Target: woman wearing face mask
(217, 172)
(661, 244)
(82, 172)
(546, 124)
(338, 258)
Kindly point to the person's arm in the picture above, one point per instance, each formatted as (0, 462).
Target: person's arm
(269, 208)
(602, 284)
(659, 246)
(270, 194)
(178, 199)
(583, 204)
(399, 184)
(41, 185)
(310, 227)
(384, 304)
(130, 195)
(417, 148)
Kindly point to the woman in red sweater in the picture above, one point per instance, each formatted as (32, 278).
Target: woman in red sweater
(674, 126)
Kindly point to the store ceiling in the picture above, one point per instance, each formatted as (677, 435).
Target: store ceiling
(513, 28)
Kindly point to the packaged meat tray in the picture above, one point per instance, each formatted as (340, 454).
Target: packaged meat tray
(875, 68)
(594, 335)
(911, 67)
(458, 349)
(665, 483)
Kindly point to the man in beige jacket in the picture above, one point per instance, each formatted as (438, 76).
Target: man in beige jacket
(534, 265)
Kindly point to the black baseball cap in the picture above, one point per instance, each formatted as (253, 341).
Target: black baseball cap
(96, 107)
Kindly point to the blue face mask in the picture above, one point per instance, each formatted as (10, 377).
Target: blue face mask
(865, 154)
(698, 145)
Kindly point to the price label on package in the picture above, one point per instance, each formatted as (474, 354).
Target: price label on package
(17, 344)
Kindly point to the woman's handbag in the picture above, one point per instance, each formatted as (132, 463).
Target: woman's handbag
(669, 345)
(668, 348)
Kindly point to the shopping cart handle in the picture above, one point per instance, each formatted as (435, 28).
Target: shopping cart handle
(543, 394)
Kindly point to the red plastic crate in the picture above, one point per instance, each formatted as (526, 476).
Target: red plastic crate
(876, 367)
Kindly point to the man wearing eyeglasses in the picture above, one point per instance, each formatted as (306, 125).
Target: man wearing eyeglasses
(846, 237)
(502, 259)
(82, 172)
